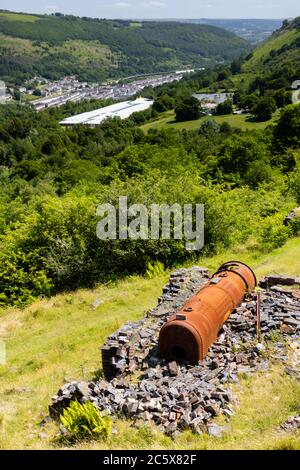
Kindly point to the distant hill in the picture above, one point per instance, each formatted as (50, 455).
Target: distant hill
(93, 49)
(253, 30)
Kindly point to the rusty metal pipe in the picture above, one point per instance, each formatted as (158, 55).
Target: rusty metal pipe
(188, 334)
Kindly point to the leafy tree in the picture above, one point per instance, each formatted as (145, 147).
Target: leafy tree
(37, 92)
(209, 128)
(282, 98)
(294, 179)
(224, 108)
(285, 24)
(236, 66)
(238, 154)
(259, 171)
(29, 170)
(264, 109)
(17, 95)
(248, 102)
(163, 103)
(287, 130)
(188, 109)
(223, 74)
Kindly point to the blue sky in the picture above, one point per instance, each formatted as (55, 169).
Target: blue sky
(161, 8)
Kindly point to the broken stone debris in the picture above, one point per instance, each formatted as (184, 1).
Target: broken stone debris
(174, 396)
(292, 424)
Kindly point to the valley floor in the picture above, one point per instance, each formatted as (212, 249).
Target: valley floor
(58, 339)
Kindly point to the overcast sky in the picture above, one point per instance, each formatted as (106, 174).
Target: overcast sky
(161, 8)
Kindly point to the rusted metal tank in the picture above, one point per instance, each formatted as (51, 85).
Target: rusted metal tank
(188, 334)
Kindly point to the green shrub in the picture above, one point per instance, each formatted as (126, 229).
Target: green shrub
(287, 130)
(85, 421)
(294, 177)
(154, 269)
(52, 180)
(295, 226)
(275, 233)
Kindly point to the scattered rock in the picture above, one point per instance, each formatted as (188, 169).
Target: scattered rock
(216, 431)
(289, 330)
(281, 280)
(83, 389)
(259, 348)
(173, 368)
(96, 303)
(295, 374)
(295, 214)
(182, 396)
(292, 424)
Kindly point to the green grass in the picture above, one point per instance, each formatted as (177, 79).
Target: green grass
(274, 43)
(284, 260)
(30, 98)
(18, 46)
(18, 17)
(57, 339)
(87, 53)
(136, 24)
(167, 120)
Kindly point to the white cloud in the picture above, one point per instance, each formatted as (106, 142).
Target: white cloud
(52, 8)
(155, 4)
(123, 4)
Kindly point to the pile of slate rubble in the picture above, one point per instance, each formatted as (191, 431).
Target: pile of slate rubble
(292, 424)
(141, 386)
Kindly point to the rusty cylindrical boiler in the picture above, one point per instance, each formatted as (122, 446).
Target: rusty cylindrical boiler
(188, 334)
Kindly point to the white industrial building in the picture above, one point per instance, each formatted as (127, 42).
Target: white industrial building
(122, 110)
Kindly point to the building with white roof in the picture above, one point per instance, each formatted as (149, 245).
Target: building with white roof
(121, 110)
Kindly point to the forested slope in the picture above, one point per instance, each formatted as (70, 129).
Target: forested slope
(48, 45)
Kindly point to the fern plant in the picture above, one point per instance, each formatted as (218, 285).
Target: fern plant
(154, 269)
(84, 421)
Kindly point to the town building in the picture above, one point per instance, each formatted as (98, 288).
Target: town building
(121, 110)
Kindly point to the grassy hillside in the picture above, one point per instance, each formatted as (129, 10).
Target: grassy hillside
(275, 43)
(132, 47)
(10, 16)
(277, 53)
(242, 121)
(55, 340)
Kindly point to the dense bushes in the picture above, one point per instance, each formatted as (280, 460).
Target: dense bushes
(294, 179)
(244, 158)
(56, 248)
(53, 179)
(287, 131)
